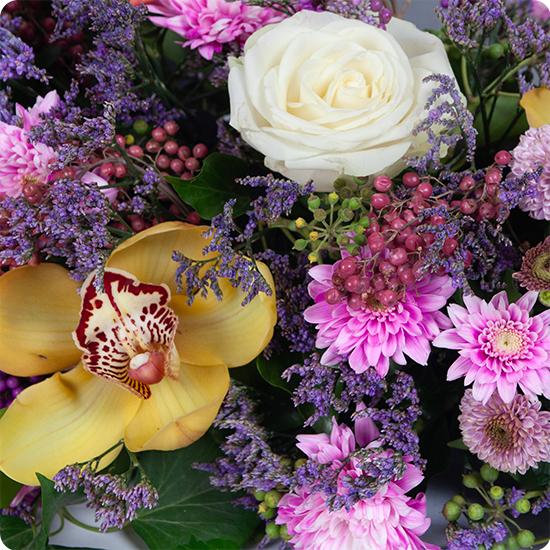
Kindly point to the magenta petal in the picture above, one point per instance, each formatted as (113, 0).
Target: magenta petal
(459, 368)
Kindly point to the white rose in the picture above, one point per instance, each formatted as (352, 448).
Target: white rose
(322, 96)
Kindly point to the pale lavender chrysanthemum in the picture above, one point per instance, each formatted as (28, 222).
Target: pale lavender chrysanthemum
(208, 24)
(389, 520)
(534, 148)
(373, 335)
(511, 437)
(21, 161)
(500, 346)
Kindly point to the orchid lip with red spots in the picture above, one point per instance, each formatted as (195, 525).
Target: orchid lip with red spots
(127, 332)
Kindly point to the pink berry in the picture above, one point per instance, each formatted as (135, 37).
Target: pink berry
(427, 239)
(468, 261)
(493, 176)
(385, 16)
(449, 246)
(107, 170)
(152, 146)
(170, 127)
(386, 268)
(397, 223)
(163, 162)
(352, 283)
(376, 243)
(418, 269)
(487, 210)
(378, 282)
(411, 179)
(120, 170)
(438, 220)
(355, 301)
(194, 218)
(347, 266)
(382, 183)
(502, 158)
(407, 276)
(425, 189)
(413, 243)
(187, 176)
(333, 296)
(159, 134)
(468, 206)
(135, 151)
(467, 184)
(121, 140)
(388, 298)
(177, 166)
(171, 148)
(184, 152)
(200, 151)
(192, 164)
(379, 201)
(398, 256)
(138, 224)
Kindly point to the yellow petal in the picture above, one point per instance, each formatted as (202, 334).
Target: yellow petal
(178, 413)
(536, 103)
(39, 308)
(148, 255)
(212, 332)
(71, 417)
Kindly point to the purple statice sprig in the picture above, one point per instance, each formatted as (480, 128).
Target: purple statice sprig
(249, 463)
(443, 118)
(116, 498)
(478, 535)
(17, 59)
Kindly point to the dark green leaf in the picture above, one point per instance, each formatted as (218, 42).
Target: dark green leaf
(15, 533)
(58, 547)
(208, 192)
(272, 369)
(8, 490)
(457, 444)
(191, 513)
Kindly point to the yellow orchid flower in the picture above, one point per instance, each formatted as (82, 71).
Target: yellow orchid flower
(149, 368)
(536, 103)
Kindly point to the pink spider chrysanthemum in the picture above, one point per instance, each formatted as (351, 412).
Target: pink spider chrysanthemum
(390, 520)
(374, 334)
(534, 148)
(500, 346)
(511, 437)
(21, 161)
(208, 24)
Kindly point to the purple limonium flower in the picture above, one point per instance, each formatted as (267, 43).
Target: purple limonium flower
(500, 346)
(511, 437)
(389, 520)
(374, 334)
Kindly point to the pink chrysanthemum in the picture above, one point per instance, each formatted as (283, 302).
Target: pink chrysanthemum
(389, 520)
(374, 334)
(208, 24)
(533, 148)
(511, 437)
(500, 346)
(21, 161)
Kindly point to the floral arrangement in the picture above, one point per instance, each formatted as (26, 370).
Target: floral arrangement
(267, 267)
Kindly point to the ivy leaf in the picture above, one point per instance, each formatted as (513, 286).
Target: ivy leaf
(8, 489)
(215, 185)
(191, 514)
(15, 533)
(272, 369)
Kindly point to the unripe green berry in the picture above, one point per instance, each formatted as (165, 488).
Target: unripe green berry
(366, 193)
(283, 532)
(496, 492)
(339, 184)
(526, 538)
(259, 494)
(471, 480)
(343, 240)
(488, 473)
(512, 543)
(353, 250)
(482, 547)
(364, 221)
(346, 193)
(498, 546)
(300, 244)
(459, 499)
(361, 240)
(346, 214)
(313, 202)
(272, 530)
(354, 204)
(451, 511)
(475, 511)
(140, 127)
(333, 198)
(319, 214)
(544, 297)
(272, 498)
(496, 50)
(522, 506)
(265, 512)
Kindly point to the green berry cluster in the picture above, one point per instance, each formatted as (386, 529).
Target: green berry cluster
(267, 509)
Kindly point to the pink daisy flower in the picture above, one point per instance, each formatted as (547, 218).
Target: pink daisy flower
(390, 520)
(373, 335)
(501, 347)
(208, 24)
(21, 161)
(511, 437)
(533, 148)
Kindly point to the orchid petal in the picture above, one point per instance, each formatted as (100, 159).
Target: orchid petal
(38, 311)
(68, 418)
(178, 413)
(536, 104)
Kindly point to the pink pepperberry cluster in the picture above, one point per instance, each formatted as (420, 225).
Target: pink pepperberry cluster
(398, 235)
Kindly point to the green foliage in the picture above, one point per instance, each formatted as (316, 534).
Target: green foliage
(191, 514)
(271, 369)
(214, 186)
(8, 489)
